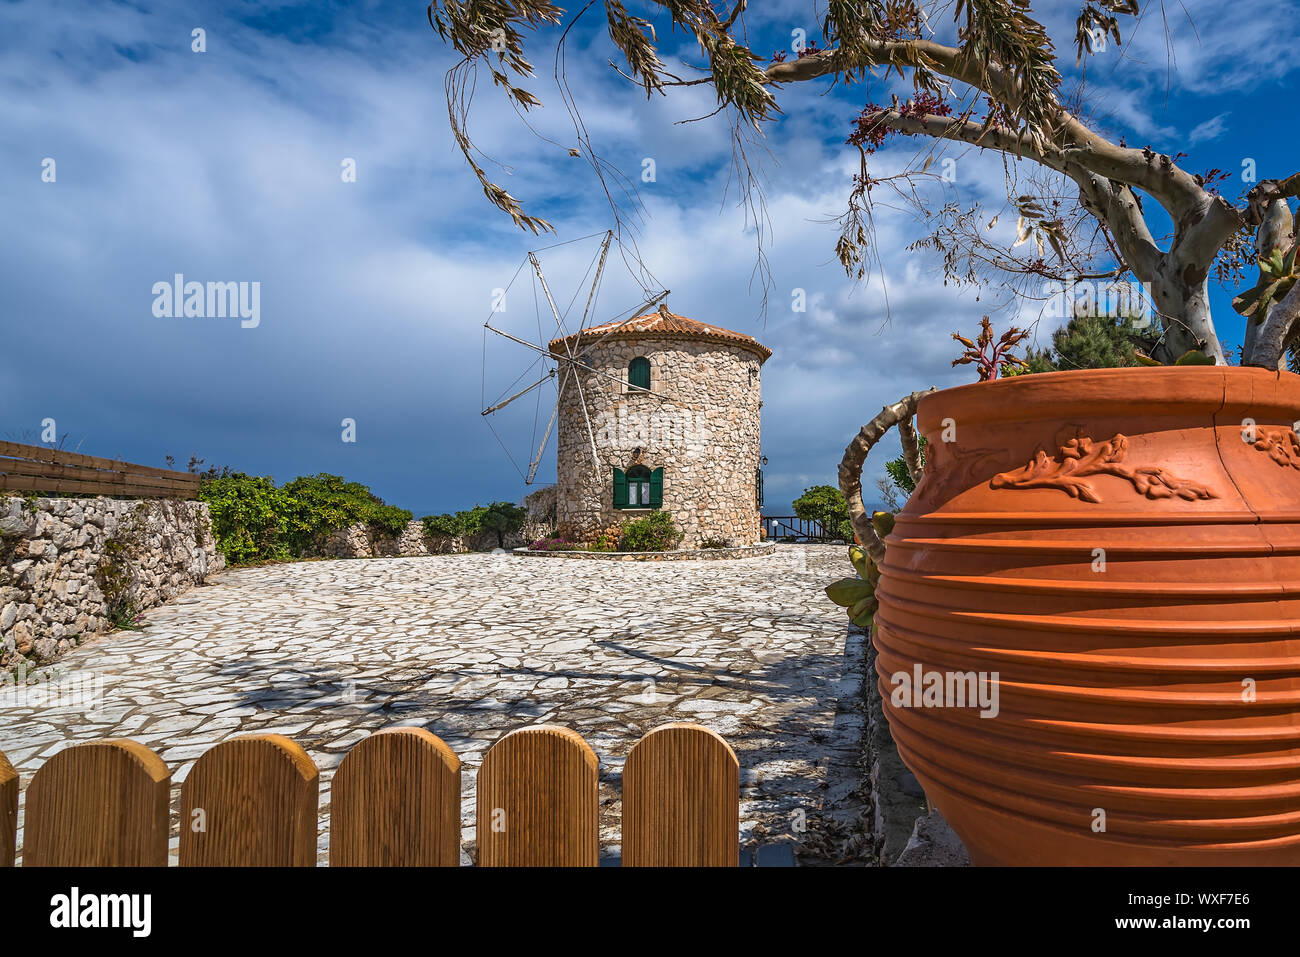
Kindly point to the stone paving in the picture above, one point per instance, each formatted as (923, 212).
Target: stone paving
(473, 646)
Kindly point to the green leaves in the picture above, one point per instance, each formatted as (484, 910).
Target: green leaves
(1000, 34)
(635, 36)
(657, 532)
(849, 591)
(250, 517)
(1194, 357)
(504, 518)
(1276, 277)
(824, 504)
(858, 594)
(863, 614)
(253, 521)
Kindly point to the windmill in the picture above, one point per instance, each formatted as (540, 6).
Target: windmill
(564, 368)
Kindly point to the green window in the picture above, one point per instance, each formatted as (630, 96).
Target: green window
(638, 487)
(638, 373)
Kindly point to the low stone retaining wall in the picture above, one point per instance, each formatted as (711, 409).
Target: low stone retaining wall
(684, 554)
(69, 566)
(360, 541)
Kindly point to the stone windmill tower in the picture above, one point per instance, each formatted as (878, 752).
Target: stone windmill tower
(667, 417)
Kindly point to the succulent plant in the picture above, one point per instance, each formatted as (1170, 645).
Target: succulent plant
(1277, 274)
(858, 594)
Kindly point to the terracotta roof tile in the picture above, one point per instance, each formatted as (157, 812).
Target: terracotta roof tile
(665, 324)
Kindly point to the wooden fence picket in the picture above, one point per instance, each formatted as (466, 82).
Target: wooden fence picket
(43, 469)
(537, 801)
(98, 804)
(253, 801)
(250, 802)
(395, 802)
(681, 800)
(8, 812)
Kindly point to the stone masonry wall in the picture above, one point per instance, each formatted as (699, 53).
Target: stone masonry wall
(67, 566)
(358, 541)
(701, 426)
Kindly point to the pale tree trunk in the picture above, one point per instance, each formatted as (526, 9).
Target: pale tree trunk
(1182, 297)
(1276, 330)
(1267, 339)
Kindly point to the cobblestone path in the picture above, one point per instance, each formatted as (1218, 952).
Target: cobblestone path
(473, 646)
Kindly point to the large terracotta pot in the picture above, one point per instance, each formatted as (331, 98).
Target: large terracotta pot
(1122, 547)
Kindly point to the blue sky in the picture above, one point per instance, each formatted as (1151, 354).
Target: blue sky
(225, 166)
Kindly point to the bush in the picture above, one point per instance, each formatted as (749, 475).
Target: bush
(445, 524)
(716, 543)
(250, 517)
(656, 532)
(824, 504)
(504, 518)
(321, 504)
(253, 521)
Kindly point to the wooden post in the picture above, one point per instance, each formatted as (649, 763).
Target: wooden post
(250, 802)
(8, 812)
(99, 804)
(681, 800)
(537, 801)
(396, 802)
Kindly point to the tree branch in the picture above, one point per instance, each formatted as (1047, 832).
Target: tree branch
(1153, 173)
(911, 448)
(1112, 203)
(850, 474)
(1201, 235)
(1115, 205)
(1273, 332)
(968, 131)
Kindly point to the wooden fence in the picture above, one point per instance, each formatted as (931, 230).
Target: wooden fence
(35, 468)
(252, 801)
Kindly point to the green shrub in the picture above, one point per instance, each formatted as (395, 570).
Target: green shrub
(824, 504)
(716, 543)
(503, 518)
(445, 524)
(253, 521)
(250, 517)
(323, 503)
(657, 532)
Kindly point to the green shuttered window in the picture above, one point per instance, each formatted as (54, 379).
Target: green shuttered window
(638, 487)
(638, 372)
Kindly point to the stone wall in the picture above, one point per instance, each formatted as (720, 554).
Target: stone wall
(542, 514)
(701, 425)
(359, 541)
(68, 566)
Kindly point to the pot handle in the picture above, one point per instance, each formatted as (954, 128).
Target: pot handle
(899, 414)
